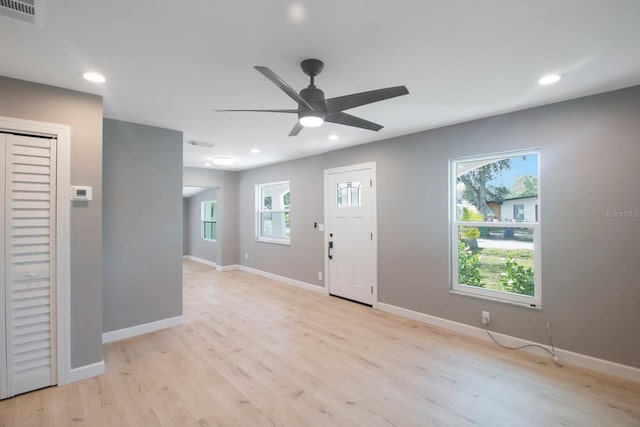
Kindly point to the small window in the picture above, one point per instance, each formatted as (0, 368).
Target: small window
(349, 194)
(209, 221)
(273, 212)
(495, 231)
(518, 212)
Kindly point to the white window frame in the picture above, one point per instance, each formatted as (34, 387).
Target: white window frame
(203, 220)
(259, 211)
(534, 301)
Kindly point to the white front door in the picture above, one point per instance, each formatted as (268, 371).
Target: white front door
(27, 279)
(350, 234)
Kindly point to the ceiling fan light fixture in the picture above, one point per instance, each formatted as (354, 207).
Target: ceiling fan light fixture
(314, 109)
(311, 121)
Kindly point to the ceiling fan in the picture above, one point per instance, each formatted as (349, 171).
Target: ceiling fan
(313, 109)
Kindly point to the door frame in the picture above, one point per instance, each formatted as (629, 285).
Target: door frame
(62, 133)
(374, 221)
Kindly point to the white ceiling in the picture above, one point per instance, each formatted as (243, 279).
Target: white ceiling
(169, 63)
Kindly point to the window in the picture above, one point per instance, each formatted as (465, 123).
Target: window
(349, 194)
(273, 212)
(209, 220)
(518, 212)
(495, 231)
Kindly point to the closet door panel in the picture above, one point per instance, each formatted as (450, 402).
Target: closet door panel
(28, 238)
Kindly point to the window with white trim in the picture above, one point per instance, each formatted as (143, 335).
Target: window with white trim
(209, 218)
(273, 212)
(495, 227)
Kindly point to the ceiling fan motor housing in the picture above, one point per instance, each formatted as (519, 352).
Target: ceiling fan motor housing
(312, 67)
(315, 98)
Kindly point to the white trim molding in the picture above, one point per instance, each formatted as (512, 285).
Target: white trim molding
(62, 133)
(564, 356)
(87, 371)
(145, 328)
(200, 260)
(228, 267)
(285, 280)
(282, 279)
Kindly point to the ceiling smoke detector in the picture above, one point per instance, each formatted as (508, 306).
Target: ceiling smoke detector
(201, 144)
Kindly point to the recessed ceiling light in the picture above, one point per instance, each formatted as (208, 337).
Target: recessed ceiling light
(549, 79)
(297, 13)
(223, 161)
(94, 77)
(207, 164)
(255, 150)
(333, 137)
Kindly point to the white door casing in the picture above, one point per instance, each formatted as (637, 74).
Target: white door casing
(4, 386)
(60, 220)
(351, 233)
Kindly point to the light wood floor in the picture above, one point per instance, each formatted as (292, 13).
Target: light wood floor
(254, 352)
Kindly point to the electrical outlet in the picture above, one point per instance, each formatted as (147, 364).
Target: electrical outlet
(319, 275)
(485, 318)
(246, 255)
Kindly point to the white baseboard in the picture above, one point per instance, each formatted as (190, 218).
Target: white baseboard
(86, 371)
(564, 356)
(200, 260)
(282, 279)
(285, 280)
(145, 328)
(228, 267)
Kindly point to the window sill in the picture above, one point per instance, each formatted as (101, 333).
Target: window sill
(504, 301)
(209, 240)
(275, 241)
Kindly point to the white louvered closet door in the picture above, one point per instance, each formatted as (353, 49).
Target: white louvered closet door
(28, 288)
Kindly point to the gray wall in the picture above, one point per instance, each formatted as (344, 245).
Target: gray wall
(226, 184)
(83, 113)
(199, 248)
(303, 259)
(142, 225)
(589, 150)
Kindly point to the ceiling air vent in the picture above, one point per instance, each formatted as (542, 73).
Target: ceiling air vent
(199, 143)
(22, 10)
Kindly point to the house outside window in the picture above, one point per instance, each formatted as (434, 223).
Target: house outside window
(209, 218)
(494, 254)
(273, 212)
(519, 209)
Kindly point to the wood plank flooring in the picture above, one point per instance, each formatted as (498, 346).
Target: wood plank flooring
(254, 352)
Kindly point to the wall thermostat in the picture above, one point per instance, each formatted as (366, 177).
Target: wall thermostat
(81, 193)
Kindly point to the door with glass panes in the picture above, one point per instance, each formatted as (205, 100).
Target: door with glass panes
(351, 233)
